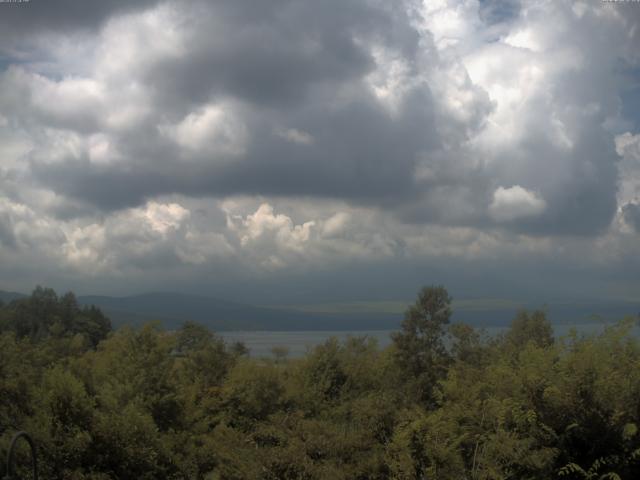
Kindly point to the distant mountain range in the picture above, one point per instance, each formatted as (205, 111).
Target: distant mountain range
(6, 297)
(172, 309)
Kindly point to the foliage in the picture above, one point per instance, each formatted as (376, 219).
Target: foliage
(45, 315)
(441, 402)
(420, 349)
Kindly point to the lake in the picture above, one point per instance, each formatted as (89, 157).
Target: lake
(299, 342)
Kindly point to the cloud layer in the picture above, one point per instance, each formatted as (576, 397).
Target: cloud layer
(287, 137)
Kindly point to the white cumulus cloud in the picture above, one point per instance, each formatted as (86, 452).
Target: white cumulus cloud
(212, 129)
(515, 202)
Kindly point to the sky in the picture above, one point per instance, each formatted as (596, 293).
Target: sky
(288, 151)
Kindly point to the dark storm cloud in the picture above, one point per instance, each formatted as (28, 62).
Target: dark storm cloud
(631, 214)
(106, 189)
(7, 237)
(496, 11)
(271, 53)
(631, 99)
(305, 66)
(290, 59)
(358, 153)
(20, 21)
(580, 193)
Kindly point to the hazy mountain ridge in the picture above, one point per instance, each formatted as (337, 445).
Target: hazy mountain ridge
(7, 297)
(172, 309)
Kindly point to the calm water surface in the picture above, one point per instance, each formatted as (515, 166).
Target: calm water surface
(298, 343)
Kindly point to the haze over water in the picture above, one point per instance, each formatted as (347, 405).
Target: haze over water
(298, 343)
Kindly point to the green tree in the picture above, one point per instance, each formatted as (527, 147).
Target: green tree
(44, 315)
(252, 392)
(420, 349)
(191, 337)
(530, 327)
(466, 344)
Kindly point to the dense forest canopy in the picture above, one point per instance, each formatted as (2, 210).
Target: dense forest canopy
(443, 401)
(44, 315)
